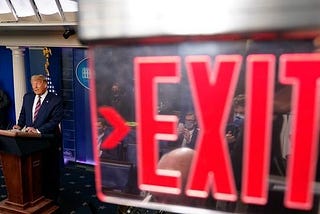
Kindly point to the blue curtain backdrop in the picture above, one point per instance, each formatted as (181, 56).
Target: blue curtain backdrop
(6, 81)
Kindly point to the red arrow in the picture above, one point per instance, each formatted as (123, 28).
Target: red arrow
(119, 125)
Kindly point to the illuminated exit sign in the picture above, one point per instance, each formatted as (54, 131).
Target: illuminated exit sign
(187, 76)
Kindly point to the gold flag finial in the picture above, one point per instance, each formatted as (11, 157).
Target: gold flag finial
(46, 53)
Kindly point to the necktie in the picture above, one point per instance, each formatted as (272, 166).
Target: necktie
(36, 110)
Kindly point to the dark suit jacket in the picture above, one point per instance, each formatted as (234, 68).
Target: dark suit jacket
(49, 115)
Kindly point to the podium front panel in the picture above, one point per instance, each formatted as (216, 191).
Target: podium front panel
(23, 145)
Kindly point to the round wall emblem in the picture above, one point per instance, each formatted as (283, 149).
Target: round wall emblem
(82, 73)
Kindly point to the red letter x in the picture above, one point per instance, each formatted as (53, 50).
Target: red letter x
(212, 93)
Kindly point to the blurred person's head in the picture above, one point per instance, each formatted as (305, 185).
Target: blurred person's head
(239, 106)
(282, 100)
(190, 121)
(115, 89)
(101, 125)
(180, 160)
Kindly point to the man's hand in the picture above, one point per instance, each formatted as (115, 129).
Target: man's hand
(16, 127)
(187, 135)
(31, 129)
(230, 138)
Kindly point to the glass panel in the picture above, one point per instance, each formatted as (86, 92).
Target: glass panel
(46, 7)
(23, 8)
(6, 14)
(4, 7)
(69, 6)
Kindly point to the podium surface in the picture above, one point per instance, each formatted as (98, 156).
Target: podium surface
(21, 158)
(22, 143)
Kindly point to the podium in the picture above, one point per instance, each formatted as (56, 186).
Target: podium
(22, 168)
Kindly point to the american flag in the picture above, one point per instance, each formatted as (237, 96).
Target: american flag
(50, 85)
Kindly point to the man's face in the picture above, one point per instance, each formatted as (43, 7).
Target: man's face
(190, 122)
(115, 90)
(39, 87)
(238, 111)
(100, 127)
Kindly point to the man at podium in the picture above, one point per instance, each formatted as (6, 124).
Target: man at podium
(41, 112)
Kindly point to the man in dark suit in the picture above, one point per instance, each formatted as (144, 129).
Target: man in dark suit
(188, 136)
(41, 112)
